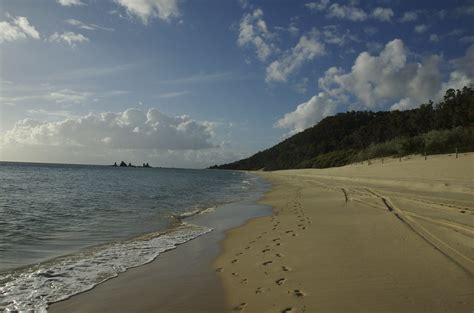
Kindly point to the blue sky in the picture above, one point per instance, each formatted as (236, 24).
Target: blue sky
(194, 83)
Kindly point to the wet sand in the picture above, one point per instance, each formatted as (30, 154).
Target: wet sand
(389, 237)
(180, 280)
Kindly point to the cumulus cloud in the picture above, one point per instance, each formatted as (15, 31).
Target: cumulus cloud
(131, 129)
(347, 12)
(465, 65)
(70, 38)
(386, 79)
(69, 3)
(253, 31)
(307, 48)
(382, 14)
(18, 28)
(387, 76)
(308, 113)
(146, 9)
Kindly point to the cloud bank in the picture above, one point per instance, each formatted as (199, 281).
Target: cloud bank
(130, 129)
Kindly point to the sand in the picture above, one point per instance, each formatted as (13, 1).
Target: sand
(387, 237)
(179, 280)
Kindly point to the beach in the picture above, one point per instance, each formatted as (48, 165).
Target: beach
(392, 236)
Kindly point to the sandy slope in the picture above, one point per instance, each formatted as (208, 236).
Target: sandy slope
(389, 237)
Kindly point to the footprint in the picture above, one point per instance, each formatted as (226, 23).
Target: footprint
(240, 307)
(287, 310)
(258, 290)
(267, 262)
(276, 239)
(277, 244)
(235, 274)
(265, 250)
(246, 248)
(285, 268)
(298, 293)
(234, 260)
(289, 231)
(220, 269)
(279, 255)
(245, 280)
(280, 281)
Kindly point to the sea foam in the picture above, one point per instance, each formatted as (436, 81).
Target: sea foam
(33, 288)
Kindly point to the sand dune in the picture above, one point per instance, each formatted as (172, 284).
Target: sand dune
(386, 237)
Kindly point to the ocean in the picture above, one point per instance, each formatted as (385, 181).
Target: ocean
(66, 228)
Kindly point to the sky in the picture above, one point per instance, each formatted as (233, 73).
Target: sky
(182, 83)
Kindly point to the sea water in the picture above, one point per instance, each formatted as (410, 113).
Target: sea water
(66, 228)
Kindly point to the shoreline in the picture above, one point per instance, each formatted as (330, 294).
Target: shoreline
(392, 237)
(179, 280)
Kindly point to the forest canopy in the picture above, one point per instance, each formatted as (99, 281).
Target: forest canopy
(360, 135)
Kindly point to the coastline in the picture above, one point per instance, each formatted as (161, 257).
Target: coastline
(179, 280)
(389, 237)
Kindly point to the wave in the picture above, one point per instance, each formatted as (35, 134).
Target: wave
(188, 214)
(33, 288)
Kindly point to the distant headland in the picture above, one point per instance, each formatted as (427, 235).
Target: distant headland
(123, 164)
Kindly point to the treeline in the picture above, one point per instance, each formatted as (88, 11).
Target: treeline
(357, 136)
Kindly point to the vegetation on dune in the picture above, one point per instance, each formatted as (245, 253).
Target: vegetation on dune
(357, 136)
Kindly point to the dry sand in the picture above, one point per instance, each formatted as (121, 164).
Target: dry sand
(389, 237)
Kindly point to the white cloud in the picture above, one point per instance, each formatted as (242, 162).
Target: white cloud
(69, 38)
(465, 64)
(131, 129)
(307, 48)
(409, 16)
(82, 25)
(146, 9)
(69, 3)
(308, 113)
(253, 31)
(347, 12)
(420, 29)
(355, 14)
(382, 14)
(317, 5)
(331, 34)
(379, 81)
(18, 28)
